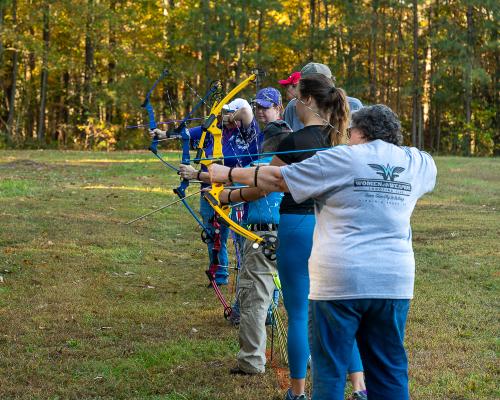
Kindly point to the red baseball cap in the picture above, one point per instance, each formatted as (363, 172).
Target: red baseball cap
(292, 79)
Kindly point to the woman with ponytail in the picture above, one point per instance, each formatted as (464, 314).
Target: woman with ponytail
(324, 111)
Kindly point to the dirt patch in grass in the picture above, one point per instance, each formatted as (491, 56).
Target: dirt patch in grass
(24, 164)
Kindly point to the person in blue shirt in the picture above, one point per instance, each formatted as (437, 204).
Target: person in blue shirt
(256, 288)
(241, 137)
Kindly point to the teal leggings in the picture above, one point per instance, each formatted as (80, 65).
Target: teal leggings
(295, 234)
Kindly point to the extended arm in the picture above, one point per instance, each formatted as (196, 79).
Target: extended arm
(188, 172)
(268, 178)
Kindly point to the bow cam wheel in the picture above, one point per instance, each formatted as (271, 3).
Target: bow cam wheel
(270, 245)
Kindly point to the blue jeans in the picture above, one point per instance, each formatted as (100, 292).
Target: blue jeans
(378, 325)
(207, 212)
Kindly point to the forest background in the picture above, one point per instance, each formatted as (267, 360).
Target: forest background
(73, 73)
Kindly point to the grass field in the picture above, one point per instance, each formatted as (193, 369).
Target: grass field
(91, 308)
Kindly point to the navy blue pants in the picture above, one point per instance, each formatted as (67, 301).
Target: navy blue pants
(378, 325)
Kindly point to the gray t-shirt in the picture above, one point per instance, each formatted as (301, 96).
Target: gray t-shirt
(364, 197)
(293, 121)
(290, 116)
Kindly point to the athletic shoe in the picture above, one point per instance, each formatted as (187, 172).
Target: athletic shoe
(360, 395)
(234, 318)
(291, 396)
(238, 371)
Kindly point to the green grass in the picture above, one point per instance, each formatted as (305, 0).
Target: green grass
(91, 308)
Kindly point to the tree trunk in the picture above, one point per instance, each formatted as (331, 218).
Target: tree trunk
(312, 28)
(65, 109)
(1, 29)
(382, 95)
(259, 37)
(31, 92)
(438, 129)
(399, 66)
(45, 70)
(327, 13)
(420, 125)
(416, 84)
(10, 131)
(496, 97)
(112, 61)
(205, 6)
(391, 65)
(374, 28)
(349, 54)
(468, 83)
(89, 63)
(427, 78)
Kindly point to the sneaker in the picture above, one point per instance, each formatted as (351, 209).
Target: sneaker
(291, 396)
(360, 395)
(234, 318)
(238, 371)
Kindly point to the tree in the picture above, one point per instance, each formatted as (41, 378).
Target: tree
(45, 72)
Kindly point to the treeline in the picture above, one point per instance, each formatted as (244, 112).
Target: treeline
(73, 73)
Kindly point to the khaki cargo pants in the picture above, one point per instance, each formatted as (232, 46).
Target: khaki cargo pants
(255, 293)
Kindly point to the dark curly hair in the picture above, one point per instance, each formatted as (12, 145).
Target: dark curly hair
(378, 122)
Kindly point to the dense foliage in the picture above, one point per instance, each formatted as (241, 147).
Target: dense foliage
(73, 73)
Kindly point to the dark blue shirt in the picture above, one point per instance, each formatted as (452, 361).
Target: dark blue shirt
(237, 144)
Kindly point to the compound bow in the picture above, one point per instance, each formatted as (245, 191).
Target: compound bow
(267, 242)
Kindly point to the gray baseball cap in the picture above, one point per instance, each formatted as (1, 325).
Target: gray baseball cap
(316, 68)
(354, 106)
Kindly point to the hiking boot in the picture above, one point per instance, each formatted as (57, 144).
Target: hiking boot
(291, 396)
(234, 318)
(359, 395)
(238, 371)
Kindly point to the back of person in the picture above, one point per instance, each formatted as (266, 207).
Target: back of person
(266, 209)
(291, 118)
(369, 200)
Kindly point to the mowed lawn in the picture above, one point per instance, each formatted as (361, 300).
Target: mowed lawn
(91, 308)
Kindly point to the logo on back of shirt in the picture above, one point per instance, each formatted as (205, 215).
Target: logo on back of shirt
(387, 187)
(387, 172)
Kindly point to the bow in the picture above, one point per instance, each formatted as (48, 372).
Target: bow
(183, 133)
(152, 122)
(267, 242)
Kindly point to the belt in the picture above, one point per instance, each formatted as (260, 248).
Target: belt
(262, 227)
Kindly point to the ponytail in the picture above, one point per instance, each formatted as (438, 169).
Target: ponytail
(339, 117)
(331, 102)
